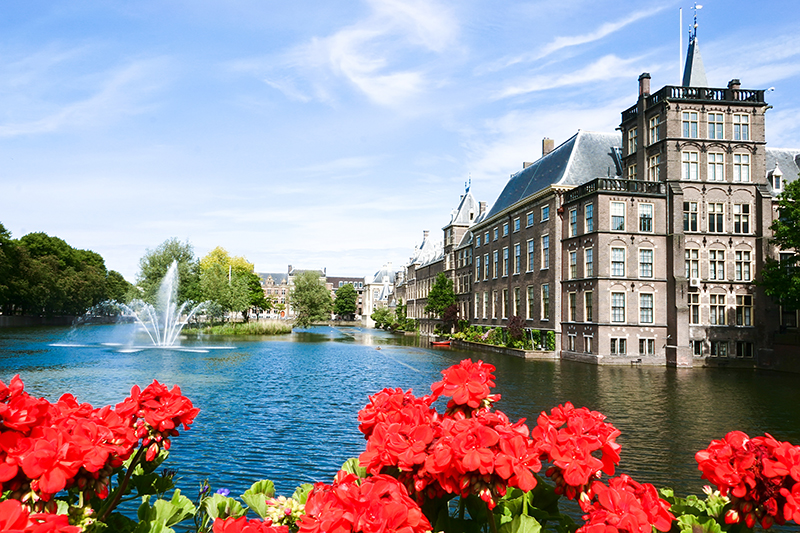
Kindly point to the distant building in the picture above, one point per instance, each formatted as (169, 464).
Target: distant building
(337, 283)
(378, 292)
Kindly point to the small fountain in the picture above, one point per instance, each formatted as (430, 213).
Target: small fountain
(163, 322)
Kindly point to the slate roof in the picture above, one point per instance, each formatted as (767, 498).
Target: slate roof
(787, 160)
(277, 277)
(581, 158)
(465, 213)
(694, 73)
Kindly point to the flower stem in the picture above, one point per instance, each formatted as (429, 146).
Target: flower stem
(124, 485)
(492, 525)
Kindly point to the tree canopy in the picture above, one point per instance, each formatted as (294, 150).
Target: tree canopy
(781, 278)
(154, 264)
(441, 295)
(43, 275)
(310, 299)
(229, 282)
(345, 302)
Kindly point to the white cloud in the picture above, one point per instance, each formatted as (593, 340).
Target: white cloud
(371, 55)
(605, 68)
(122, 91)
(567, 41)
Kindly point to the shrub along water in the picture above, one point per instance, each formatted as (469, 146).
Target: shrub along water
(269, 327)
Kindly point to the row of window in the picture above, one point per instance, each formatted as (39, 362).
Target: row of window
(690, 128)
(720, 349)
(515, 224)
(716, 217)
(718, 311)
(500, 302)
(501, 267)
(742, 265)
(690, 167)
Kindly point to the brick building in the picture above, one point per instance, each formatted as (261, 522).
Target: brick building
(641, 246)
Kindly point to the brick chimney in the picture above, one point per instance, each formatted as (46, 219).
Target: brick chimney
(481, 208)
(734, 84)
(547, 146)
(644, 84)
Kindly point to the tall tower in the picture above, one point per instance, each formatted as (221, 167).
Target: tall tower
(708, 146)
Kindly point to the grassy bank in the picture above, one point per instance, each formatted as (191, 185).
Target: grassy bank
(271, 327)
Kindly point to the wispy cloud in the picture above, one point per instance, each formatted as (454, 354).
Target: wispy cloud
(121, 91)
(567, 41)
(605, 68)
(371, 55)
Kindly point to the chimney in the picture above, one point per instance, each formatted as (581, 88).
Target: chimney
(482, 208)
(734, 84)
(425, 235)
(547, 146)
(526, 164)
(644, 84)
(290, 269)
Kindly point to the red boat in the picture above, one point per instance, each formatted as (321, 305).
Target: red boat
(441, 343)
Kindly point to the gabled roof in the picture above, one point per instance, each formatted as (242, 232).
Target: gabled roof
(277, 277)
(384, 275)
(423, 251)
(694, 73)
(466, 212)
(581, 158)
(787, 160)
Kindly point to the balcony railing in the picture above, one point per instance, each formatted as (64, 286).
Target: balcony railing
(697, 94)
(618, 185)
(706, 94)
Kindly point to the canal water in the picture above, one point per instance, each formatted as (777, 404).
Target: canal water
(285, 408)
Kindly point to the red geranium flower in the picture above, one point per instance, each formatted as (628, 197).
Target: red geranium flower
(243, 525)
(468, 384)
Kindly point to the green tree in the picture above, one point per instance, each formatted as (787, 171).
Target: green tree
(345, 302)
(310, 299)
(58, 279)
(230, 282)
(441, 296)
(117, 287)
(781, 279)
(154, 264)
(382, 317)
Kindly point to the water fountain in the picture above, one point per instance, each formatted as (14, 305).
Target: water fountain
(164, 321)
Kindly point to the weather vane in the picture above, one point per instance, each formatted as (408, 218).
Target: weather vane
(693, 28)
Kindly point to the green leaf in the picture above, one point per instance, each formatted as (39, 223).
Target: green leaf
(301, 493)
(352, 466)
(257, 495)
(521, 524)
(219, 506)
(167, 513)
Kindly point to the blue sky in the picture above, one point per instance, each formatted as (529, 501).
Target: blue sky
(328, 133)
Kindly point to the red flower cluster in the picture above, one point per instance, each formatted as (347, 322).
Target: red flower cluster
(15, 518)
(157, 413)
(762, 476)
(378, 504)
(48, 447)
(568, 438)
(468, 384)
(624, 505)
(243, 525)
(466, 450)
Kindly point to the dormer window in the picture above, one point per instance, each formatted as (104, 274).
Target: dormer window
(777, 178)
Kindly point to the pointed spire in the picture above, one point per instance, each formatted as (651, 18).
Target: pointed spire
(694, 73)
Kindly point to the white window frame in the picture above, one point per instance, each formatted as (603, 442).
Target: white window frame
(618, 212)
(716, 166)
(690, 165)
(644, 318)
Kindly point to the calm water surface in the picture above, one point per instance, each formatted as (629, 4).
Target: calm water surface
(285, 408)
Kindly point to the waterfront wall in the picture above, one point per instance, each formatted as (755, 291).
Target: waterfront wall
(524, 354)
